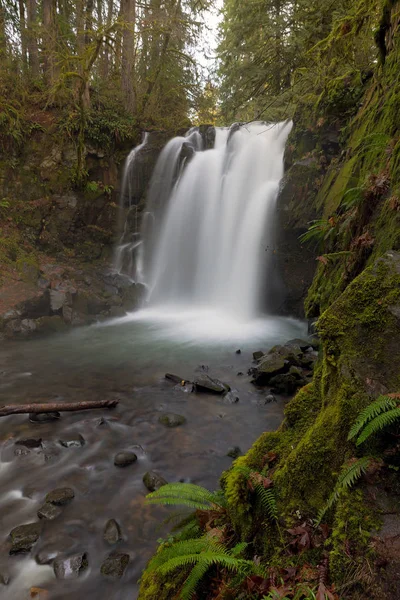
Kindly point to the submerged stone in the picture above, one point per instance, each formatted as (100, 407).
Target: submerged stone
(114, 566)
(172, 420)
(153, 481)
(24, 537)
(44, 417)
(29, 442)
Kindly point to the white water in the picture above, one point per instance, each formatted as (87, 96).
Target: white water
(208, 231)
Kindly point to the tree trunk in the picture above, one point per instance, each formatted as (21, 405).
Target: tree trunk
(105, 64)
(128, 54)
(50, 40)
(22, 29)
(32, 44)
(89, 22)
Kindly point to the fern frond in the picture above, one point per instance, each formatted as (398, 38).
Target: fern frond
(379, 423)
(178, 549)
(268, 502)
(380, 405)
(191, 583)
(186, 494)
(209, 558)
(238, 549)
(346, 480)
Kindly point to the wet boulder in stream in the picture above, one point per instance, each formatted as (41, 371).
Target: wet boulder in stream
(153, 481)
(24, 537)
(60, 496)
(70, 567)
(206, 384)
(114, 566)
(72, 441)
(49, 511)
(112, 532)
(124, 459)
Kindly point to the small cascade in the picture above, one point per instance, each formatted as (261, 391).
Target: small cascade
(124, 261)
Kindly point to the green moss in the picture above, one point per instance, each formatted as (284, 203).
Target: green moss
(353, 522)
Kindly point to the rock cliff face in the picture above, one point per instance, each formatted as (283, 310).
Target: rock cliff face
(57, 238)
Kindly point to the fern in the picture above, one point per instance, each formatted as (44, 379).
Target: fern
(352, 198)
(379, 423)
(381, 405)
(187, 494)
(346, 480)
(266, 497)
(198, 556)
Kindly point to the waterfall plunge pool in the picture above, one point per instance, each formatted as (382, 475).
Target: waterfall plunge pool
(124, 359)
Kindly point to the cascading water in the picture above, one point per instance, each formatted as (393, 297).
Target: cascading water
(207, 233)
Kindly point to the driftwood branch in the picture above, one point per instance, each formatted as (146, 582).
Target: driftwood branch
(14, 409)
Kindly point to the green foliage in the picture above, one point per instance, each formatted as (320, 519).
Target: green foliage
(187, 494)
(383, 404)
(377, 416)
(197, 556)
(320, 232)
(349, 476)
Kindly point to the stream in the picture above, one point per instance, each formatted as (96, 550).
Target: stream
(124, 359)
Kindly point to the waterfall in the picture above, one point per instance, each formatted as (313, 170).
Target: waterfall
(208, 228)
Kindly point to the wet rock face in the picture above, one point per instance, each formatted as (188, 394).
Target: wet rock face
(70, 567)
(112, 532)
(60, 496)
(171, 420)
(24, 537)
(153, 481)
(114, 566)
(124, 459)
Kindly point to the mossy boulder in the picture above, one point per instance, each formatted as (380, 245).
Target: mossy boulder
(360, 359)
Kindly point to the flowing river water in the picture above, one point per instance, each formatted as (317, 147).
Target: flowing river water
(204, 255)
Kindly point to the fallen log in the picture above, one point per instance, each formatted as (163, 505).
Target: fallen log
(14, 409)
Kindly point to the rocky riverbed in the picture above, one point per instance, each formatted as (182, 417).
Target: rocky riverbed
(73, 518)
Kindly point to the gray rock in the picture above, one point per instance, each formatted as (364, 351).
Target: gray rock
(303, 344)
(234, 452)
(286, 383)
(270, 365)
(124, 459)
(24, 537)
(258, 355)
(230, 398)
(112, 532)
(60, 496)
(204, 383)
(114, 566)
(29, 442)
(296, 371)
(153, 481)
(70, 567)
(49, 511)
(44, 417)
(172, 420)
(4, 579)
(266, 400)
(73, 441)
(238, 351)
(57, 299)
